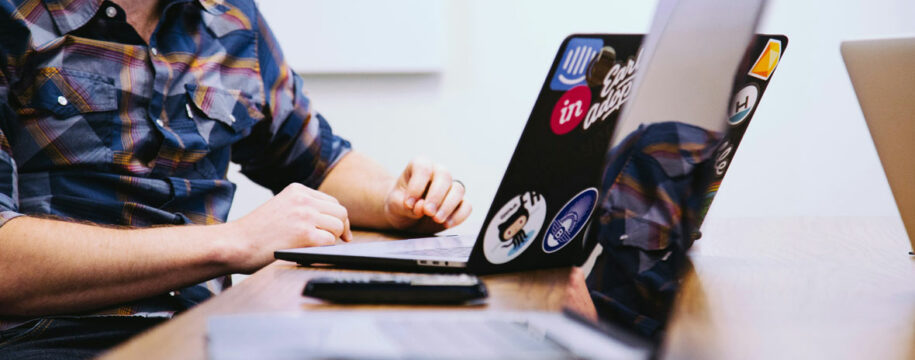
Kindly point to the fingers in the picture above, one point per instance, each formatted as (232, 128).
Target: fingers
(451, 202)
(328, 214)
(347, 232)
(441, 183)
(459, 215)
(395, 203)
(330, 224)
(319, 237)
(426, 190)
(419, 172)
(338, 212)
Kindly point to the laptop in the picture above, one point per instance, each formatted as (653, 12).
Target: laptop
(549, 201)
(427, 334)
(883, 75)
(543, 211)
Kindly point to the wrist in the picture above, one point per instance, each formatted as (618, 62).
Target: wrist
(386, 187)
(231, 246)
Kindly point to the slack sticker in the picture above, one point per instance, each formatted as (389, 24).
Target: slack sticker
(742, 104)
(573, 67)
(570, 110)
(514, 227)
(570, 220)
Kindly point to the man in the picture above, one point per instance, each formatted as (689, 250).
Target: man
(118, 120)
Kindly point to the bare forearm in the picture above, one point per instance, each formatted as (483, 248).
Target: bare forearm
(360, 184)
(423, 199)
(50, 267)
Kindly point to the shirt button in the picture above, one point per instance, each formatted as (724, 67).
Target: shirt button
(171, 293)
(231, 118)
(190, 113)
(111, 12)
(154, 51)
(62, 101)
(160, 123)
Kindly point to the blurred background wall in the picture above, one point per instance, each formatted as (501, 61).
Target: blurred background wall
(455, 80)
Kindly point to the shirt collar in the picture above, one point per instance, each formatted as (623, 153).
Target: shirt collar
(70, 15)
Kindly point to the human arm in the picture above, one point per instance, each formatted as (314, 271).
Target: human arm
(56, 267)
(296, 144)
(423, 199)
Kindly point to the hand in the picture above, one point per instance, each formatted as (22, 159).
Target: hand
(426, 199)
(577, 297)
(296, 217)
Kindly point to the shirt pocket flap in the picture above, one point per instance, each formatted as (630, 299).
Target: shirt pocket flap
(66, 93)
(233, 108)
(644, 233)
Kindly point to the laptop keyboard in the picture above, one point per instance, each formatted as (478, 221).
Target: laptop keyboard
(451, 252)
(486, 339)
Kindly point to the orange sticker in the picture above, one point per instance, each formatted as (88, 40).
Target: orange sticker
(767, 61)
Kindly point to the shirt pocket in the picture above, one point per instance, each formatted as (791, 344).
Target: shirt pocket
(222, 116)
(69, 115)
(644, 233)
(65, 93)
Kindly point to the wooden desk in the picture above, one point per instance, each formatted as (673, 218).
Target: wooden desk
(278, 288)
(798, 288)
(830, 288)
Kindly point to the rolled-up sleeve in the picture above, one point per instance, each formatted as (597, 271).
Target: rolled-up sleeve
(294, 143)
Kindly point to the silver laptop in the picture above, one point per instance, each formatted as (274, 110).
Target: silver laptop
(883, 74)
(417, 335)
(543, 211)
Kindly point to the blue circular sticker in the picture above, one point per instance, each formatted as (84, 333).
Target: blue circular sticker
(570, 220)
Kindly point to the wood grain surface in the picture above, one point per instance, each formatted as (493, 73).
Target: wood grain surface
(774, 288)
(278, 288)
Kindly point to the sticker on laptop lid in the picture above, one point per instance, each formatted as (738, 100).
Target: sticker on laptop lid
(617, 86)
(514, 227)
(570, 220)
(573, 66)
(742, 104)
(765, 65)
(570, 110)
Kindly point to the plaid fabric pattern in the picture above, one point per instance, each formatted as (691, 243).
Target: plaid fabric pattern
(97, 125)
(658, 181)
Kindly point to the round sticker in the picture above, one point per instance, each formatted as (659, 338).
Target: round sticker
(570, 220)
(742, 104)
(570, 110)
(514, 227)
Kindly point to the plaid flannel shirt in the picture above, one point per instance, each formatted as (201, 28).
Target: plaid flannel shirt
(657, 187)
(97, 125)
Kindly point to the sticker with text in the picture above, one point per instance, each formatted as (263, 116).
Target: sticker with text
(765, 65)
(742, 104)
(570, 220)
(514, 227)
(570, 109)
(573, 67)
(617, 86)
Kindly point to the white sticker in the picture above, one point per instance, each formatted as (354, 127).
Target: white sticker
(742, 104)
(514, 227)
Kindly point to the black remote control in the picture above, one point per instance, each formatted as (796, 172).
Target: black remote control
(396, 289)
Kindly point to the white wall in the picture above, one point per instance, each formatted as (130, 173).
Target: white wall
(807, 151)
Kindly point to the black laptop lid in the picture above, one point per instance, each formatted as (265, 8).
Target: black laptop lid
(544, 209)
